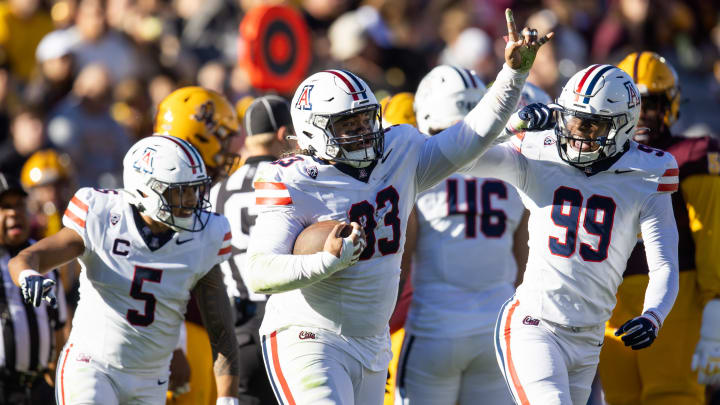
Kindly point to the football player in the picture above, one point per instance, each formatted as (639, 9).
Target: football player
(464, 266)
(208, 121)
(325, 333)
(590, 190)
(662, 374)
(136, 278)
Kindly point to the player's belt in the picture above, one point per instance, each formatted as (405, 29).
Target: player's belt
(574, 329)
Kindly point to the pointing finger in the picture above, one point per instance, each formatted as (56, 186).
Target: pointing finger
(512, 31)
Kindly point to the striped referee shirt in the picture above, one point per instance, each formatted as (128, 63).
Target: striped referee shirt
(28, 337)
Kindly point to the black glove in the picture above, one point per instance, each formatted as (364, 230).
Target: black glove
(537, 116)
(639, 332)
(35, 289)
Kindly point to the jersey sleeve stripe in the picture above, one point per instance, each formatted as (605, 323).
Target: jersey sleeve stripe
(224, 250)
(672, 172)
(227, 236)
(273, 201)
(71, 215)
(667, 187)
(79, 204)
(268, 185)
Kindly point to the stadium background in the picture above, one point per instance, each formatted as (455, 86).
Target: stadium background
(83, 77)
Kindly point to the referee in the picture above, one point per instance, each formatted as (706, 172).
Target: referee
(267, 124)
(31, 337)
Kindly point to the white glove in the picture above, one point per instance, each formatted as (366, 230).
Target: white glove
(227, 401)
(349, 254)
(707, 352)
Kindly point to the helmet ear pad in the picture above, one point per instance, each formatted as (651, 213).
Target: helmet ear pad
(603, 93)
(158, 166)
(320, 102)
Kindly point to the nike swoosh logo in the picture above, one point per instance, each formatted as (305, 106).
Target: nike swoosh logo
(180, 242)
(386, 156)
(618, 171)
(162, 382)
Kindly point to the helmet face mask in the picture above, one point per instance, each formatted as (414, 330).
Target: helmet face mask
(600, 110)
(166, 180)
(337, 118)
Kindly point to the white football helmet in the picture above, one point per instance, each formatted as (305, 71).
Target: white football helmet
(337, 117)
(445, 95)
(602, 98)
(158, 166)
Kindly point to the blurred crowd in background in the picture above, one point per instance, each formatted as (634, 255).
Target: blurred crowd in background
(80, 79)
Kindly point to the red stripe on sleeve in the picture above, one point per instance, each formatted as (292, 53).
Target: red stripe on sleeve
(75, 218)
(267, 185)
(273, 200)
(672, 172)
(667, 187)
(224, 250)
(228, 236)
(79, 204)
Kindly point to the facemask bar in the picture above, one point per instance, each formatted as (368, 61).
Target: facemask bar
(200, 211)
(602, 146)
(341, 147)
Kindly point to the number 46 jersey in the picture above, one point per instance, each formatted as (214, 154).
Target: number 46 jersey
(133, 299)
(583, 227)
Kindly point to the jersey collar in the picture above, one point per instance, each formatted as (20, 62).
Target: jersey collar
(152, 241)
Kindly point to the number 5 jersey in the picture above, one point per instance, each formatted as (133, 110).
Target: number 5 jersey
(132, 298)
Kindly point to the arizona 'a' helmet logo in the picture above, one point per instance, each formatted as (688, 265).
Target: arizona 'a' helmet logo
(633, 97)
(303, 102)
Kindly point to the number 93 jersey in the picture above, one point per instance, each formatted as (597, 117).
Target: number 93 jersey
(133, 299)
(584, 225)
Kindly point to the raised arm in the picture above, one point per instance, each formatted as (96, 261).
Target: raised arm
(463, 142)
(217, 315)
(47, 254)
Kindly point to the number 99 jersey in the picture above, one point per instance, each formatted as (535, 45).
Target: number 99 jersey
(133, 299)
(584, 224)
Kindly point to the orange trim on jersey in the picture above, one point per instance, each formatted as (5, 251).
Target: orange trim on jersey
(671, 172)
(278, 371)
(668, 187)
(273, 200)
(62, 374)
(228, 236)
(224, 250)
(74, 218)
(79, 204)
(511, 367)
(267, 185)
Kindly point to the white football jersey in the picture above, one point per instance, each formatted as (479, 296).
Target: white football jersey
(132, 299)
(584, 227)
(463, 268)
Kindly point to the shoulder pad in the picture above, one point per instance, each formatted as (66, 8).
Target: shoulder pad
(659, 167)
(269, 184)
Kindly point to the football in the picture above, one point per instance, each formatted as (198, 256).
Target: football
(312, 239)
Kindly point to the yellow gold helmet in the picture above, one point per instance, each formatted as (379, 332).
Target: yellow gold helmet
(398, 109)
(241, 107)
(207, 120)
(654, 76)
(45, 167)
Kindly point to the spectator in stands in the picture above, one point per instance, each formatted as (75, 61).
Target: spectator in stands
(23, 23)
(32, 337)
(82, 126)
(26, 137)
(54, 77)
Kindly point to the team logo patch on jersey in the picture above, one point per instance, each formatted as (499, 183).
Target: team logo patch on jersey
(83, 357)
(633, 97)
(114, 219)
(528, 320)
(548, 141)
(146, 161)
(312, 171)
(306, 335)
(363, 174)
(303, 102)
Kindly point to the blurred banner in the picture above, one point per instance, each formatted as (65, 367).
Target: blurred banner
(274, 48)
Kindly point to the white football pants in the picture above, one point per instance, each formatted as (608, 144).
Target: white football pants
(545, 363)
(311, 367)
(81, 380)
(438, 371)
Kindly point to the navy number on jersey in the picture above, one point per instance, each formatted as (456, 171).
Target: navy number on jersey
(493, 222)
(143, 274)
(599, 217)
(364, 214)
